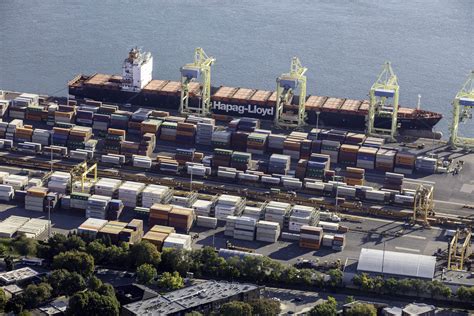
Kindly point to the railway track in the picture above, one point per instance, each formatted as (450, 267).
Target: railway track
(251, 192)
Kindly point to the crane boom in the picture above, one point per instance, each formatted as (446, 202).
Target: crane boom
(462, 111)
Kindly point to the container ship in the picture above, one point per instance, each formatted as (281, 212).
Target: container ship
(136, 87)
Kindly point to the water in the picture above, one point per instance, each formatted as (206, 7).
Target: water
(430, 43)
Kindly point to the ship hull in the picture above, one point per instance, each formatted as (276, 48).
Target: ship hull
(265, 112)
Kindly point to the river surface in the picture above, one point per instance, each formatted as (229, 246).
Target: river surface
(343, 44)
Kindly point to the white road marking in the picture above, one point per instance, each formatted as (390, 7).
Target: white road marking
(407, 249)
(414, 236)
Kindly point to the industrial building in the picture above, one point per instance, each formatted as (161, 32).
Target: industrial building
(397, 264)
(204, 297)
(17, 276)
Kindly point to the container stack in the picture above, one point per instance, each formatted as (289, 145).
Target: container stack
(328, 240)
(23, 134)
(143, 162)
(355, 139)
(41, 136)
(59, 182)
(385, 159)
(277, 212)
(84, 117)
(317, 165)
(366, 158)
(147, 144)
(206, 221)
(331, 148)
(279, 164)
(115, 210)
(111, 231)
(35, 199)
(184, 199)
(129, 191)
(168, 165)
(120, 119)
(107, 186)
(10, 226)
(240, 160)
(79, 200)
(302, 215)
(348, 154)
(34, 228)
(154, 193)
(185, 133)
(178, 241)
(150, 126)
(375, 142)
(204, 130)
(257, 143)
(221, 158)
(132, 233)
(292, 147)
(157, 235)
(404, 162)
(426, 164)
(97, 206)
(339, 242)
(78, 136)
(276, 143)
(181, 218)
(221, 139)
(354, 176)
(311, 237)
(254, 212)
(244, 228)
(113, 140)
(159, 214)
(185, 155)
(202, 207)
(60, 136)
(239, 140)
(168, 131)
(91, 227)
(16, 181)
(393, 181)
(101, 122)
(6, 193)
(228, 205)
(230, 226)
(267, 231)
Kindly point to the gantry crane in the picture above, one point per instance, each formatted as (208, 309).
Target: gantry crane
(385, 88)
(288, 85)
(80, 172)
(458, 254)
(462, 111)
(423, 199)
(200, 71)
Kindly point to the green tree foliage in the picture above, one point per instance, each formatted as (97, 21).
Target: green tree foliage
(144, 252)
(92, 303)
(146, 273)
(94, 283)
(349, 299)
(265, 307)
(361, 309)
(236, 308)
(15, 304)
(171, 281)
(75, 261)
(335, 277)
(36, 295)
(97, 250)
(176, 260)
(3, 300)
(25, 246)
(328, 308)
(65, 282)
(465, 294)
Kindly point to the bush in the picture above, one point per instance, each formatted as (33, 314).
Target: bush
(146, 273)
(328, 308)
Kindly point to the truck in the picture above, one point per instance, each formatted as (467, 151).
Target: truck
(329, 216)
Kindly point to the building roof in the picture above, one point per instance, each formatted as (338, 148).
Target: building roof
(189, 297)
(396, 263)
(17, 275)
(13, 289)
(418, 308)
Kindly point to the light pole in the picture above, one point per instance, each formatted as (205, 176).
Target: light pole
(317, 119)
(337, 187)
(49, 199)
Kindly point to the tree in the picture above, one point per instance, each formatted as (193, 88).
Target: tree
(361, 309)
(75, 242)
(8, 263)
(144, 252)
(65, 282)
(15, 304)
(171, 281)
(175, 260)
(3, 300)
(3, 249)
(349, 299)
(25, 246)
(92, 303)
(328, 308)
(146, 273)
(97, 250)
(465, 294)
(335, 277)
(265, 307)
(35, 295)
(236, 308)
(436, 288)
(75, 261)
(94, 283)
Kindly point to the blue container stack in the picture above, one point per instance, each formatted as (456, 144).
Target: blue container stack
(114, 210)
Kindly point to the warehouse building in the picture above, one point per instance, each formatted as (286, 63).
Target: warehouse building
(204, 297)
(396, 264)
(18, 276)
